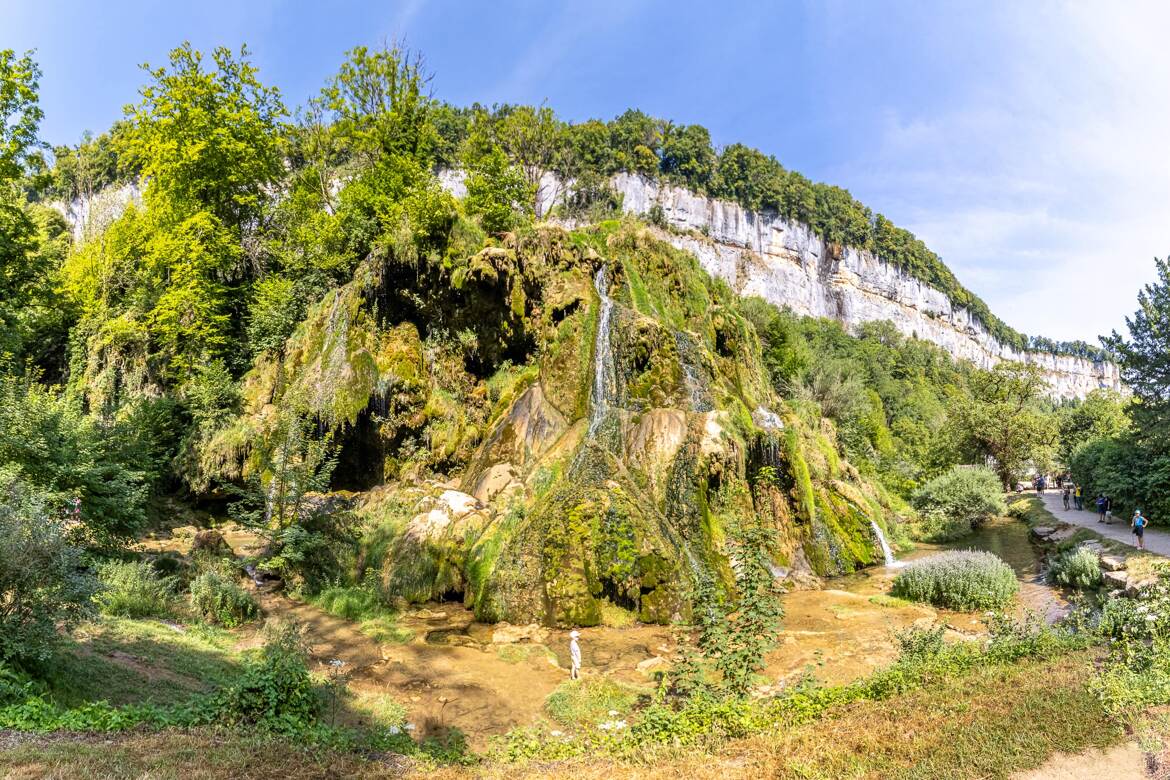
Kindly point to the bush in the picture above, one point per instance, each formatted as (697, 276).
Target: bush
(217, 598)
(351, 602)
(134, 590)
(955, 502)
(275, 690)
(43, 584)
(1078, 568)
(966, 580)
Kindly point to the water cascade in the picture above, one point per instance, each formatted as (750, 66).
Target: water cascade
(604, 373)
(696, 388)
(886, 551)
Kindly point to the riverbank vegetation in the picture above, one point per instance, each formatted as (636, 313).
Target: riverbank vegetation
(396, 397)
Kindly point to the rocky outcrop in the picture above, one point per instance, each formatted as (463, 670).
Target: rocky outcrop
(787, 264)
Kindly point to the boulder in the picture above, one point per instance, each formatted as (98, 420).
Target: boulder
(1043, 531)
(212, 543)
(500, 478)
(1060, 534)
(1136, 587)
(1112, 563)
(1116, 579)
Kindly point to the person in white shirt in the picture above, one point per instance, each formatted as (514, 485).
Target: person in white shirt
(575, 655)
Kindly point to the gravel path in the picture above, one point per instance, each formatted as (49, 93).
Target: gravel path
(1157, 539)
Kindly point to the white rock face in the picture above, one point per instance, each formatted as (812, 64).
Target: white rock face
(91, 216)
(781, 261)
(787, 264)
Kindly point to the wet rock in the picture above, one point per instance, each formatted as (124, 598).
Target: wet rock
(650, 664)
(211, 542)
(506, 633)
(1112, 563)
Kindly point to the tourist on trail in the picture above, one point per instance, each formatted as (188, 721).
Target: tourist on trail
(1079, 498)
(575, 655)
(1108, 510)
(1100, 507)
(1139, 524)
(1067, 495)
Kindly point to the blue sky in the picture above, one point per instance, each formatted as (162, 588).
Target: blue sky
(1027, 143)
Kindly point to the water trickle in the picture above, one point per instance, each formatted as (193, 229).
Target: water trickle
(604, 373)
(767, 419)
(692, 379)
(886, 551)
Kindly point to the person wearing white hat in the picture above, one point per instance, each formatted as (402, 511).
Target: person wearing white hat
(575, 655)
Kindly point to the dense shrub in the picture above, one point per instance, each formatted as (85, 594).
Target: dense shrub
(1078, 568)
(275, 690)
(351, 602)
(963, 580)
(43, 585)
(218, 598)
(957, 501)
(135, 590)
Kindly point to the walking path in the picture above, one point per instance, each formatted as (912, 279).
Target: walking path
(1157, 540)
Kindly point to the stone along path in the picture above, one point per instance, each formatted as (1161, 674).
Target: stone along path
(1157, 539)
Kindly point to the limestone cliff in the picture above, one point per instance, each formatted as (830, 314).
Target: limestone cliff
(783, 262)
(787, 264)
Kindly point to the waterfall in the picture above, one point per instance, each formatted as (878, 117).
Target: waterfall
(886, 551)
(693, 381)
(604, 374)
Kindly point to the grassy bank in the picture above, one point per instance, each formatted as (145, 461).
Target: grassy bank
(987, 722)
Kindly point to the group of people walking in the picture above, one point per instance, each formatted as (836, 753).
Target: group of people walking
(1074, 497)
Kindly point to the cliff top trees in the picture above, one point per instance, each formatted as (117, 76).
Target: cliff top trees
(207, 138)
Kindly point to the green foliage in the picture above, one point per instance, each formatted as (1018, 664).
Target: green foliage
(965, 581)
(1002, 418)
(1136, 674)
(206, 139)
(352, 602)
(497, 191)
(955, 502)
(274, 691)
(20, 114)
(1079, 567)
(68, 455)
(134, 589)
(43, 584)
(217, 597)
(589, 701)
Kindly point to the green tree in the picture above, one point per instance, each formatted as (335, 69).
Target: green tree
(1002, 420)
(1102, 414)
(22, 267)
(688, 157)
(206, 139)
(534, 139)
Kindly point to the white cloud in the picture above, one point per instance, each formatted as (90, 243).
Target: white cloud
(1046, 186)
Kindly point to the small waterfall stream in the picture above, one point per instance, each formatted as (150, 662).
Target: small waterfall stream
(604, 373)
(881, 537)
